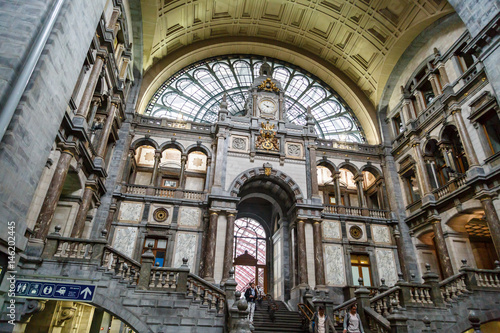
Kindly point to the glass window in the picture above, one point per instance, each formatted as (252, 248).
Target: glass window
(361, 268)
(491, 124)
(195, 93)
(159, 248)
(169, 182)
(412, 188)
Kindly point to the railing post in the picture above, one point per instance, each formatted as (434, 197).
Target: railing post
(182, 278)
(145, 273)
(230, 288)
(397, 319)
(51, 243)
(432, 279)
(470, 275)
(98, 249)
(363, 300)
(405, 298)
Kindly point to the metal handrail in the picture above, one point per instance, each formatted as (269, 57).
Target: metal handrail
(303, 307)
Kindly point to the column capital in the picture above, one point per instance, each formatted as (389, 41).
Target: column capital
(231, 213)
(214, 212)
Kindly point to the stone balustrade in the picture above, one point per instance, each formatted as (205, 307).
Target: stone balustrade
(120, 265)
(144, 190)
(356, 211)
(450, 187)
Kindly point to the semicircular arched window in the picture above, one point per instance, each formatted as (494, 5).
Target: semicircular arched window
(195, 93)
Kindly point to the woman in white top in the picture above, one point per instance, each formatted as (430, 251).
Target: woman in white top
(352, 322)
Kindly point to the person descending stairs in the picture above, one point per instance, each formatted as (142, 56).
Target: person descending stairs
(273, 316)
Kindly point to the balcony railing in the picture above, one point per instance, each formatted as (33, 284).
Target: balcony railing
(164, 192)
(450, 187)
(356, 211)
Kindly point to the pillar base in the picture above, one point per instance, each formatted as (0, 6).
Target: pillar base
(474, 172)
(34, 248)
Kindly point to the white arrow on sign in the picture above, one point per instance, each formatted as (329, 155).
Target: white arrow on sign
(86, 292)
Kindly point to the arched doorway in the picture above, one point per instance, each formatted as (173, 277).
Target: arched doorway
(250, 250)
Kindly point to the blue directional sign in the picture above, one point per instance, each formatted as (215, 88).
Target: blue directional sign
(55, 290)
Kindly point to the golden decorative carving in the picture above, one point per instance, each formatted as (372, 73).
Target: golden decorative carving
(267, 139)
(268, 85)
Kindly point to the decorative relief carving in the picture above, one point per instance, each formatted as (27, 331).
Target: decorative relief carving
(294, 150)
(356, 232)
(239, 143)
(268, 85)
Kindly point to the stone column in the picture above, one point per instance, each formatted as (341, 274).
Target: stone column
(207, 175)
(420, 100)
(361, 194)
(442, 249)
(319, 264)
(409, 110)
(228, 247)
(83, 108)
(182, 179)
(110, 217)
(211, 243)
(336, 181)
(81, 215)
(422, 173)
(155, 168)
(401, 251)
(443, 74)
(493, 222)
(96, 102)
(312, 163)
(464, 136)
(436, 85)
(128, 167)
(302, 259)
(108, 124)
(114, 18)
(221, 137)
(53, 193)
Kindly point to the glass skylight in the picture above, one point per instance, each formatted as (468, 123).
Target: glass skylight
(195, 93)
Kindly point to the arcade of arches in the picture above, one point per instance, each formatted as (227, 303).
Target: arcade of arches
(168, 153)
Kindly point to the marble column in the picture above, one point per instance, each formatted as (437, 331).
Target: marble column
(420, 100)
(96, 102)
(302, 258)
(208, 173)
(114, 18)
(436, 85)
(108, 125)
(409, 110)
(314, 174)
(155, 167)
(128, 166)
(219, 161)
(493, 222)
(182, 177)
(442, 249)
(83, 107)
(361, 193)
(464, 136)
(81, 215)
(228, 247)
(210, 249)
(401, 252)
(53, 193)
(336, 181)
(422, 173)
(319, 265)
(443, 74)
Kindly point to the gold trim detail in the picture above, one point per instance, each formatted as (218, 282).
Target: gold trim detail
(268, 85)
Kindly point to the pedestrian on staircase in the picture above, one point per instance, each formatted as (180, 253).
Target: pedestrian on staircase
(321, 323)
(251, 296)
(352, 322)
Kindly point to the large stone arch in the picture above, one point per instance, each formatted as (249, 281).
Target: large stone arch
(172, 144)
(144, 142)
(199, 147)
(277, 176)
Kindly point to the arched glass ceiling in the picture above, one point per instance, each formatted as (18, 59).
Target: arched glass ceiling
(195, 93)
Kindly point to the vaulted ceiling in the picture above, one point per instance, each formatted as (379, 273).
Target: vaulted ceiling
(362, 38)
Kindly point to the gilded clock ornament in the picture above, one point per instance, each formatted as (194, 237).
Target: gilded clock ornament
(267, 139)
(268, 85)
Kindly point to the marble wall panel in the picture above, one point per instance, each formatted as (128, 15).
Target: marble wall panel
(195, 183)
(189, 217)
(186, 244)
(311, 272)
(381, 234)
(386, 266)
(334, 264)
(331, 230)
(124, 240)
(130, 211)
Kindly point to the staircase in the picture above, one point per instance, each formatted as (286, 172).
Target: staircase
(285, 321)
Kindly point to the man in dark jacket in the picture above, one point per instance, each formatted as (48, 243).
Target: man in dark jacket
(251, 296)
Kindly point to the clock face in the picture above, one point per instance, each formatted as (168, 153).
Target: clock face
(267, 106)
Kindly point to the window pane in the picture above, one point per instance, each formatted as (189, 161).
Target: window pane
(366, 276)
(162, 244)
(149, 242)
(355, 275)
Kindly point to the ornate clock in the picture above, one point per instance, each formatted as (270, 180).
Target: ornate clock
(268, 107)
